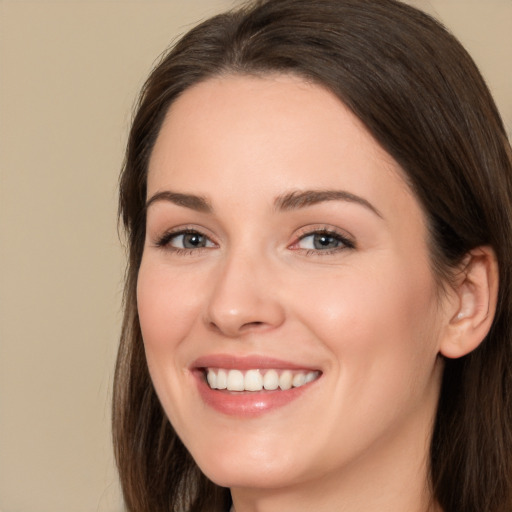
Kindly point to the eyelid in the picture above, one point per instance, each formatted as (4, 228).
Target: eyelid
(343, 236)
(163, 240)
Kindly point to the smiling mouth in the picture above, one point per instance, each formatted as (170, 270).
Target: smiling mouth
(258, 380)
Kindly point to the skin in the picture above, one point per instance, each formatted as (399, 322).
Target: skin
(368, 316)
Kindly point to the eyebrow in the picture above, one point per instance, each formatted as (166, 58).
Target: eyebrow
(290, 201)
(302, 199)
(198, 203)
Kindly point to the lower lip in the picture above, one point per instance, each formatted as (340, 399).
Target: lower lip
(246, 403)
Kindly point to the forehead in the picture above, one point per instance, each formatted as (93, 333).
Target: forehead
(248, 133)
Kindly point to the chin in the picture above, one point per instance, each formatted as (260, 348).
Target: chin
(250, 477)
(247, 472)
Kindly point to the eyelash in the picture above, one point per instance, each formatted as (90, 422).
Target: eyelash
(346, 243)
(165, 242)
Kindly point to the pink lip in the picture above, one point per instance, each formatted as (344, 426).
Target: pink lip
(249, 403)
(246, 363)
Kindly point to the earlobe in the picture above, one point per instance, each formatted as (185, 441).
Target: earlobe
(476, 293)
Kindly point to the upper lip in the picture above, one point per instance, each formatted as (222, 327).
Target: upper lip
(249, 362)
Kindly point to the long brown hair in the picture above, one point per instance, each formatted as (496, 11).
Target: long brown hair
(422, 98)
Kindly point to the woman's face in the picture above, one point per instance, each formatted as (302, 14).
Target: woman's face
(286, 259)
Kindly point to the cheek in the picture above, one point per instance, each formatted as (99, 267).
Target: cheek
(385, 316)
(168, 309)
(167, 306)
(381, 330)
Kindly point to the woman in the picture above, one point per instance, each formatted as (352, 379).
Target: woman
(317, 309)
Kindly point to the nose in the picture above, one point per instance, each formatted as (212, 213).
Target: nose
(244, 297)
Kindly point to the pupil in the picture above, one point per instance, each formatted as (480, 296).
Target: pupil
(193, 240)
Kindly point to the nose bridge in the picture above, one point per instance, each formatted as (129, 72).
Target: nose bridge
(243, 297)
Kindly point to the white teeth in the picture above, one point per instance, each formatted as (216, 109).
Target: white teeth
(253, 381)
(212, 379)
(235, 381)
(222, 379)
(271, 380)
(257, 380)
(310, 377)
(298, 380)
(285, 380)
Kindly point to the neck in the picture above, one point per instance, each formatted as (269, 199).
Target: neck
(373, 493)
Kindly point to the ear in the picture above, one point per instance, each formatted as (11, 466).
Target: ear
(472, 310)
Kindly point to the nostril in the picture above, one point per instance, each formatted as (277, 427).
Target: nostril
(214, 326)
(252, 325)
(245, 327)
(247, 313)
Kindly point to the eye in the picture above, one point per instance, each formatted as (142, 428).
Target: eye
(190, 241)
(323, 241)
(185, 240)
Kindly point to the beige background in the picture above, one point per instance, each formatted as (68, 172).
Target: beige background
(69, 74)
